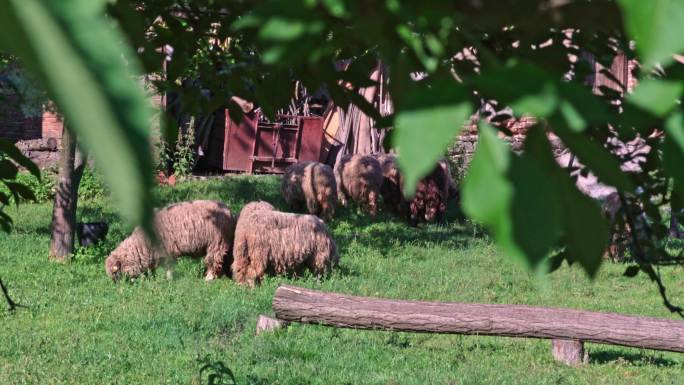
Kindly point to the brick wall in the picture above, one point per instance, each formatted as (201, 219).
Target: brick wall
(51, 125)
(14, 125)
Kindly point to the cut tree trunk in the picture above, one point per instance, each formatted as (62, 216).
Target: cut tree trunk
(309, 306)
(570, 352)
(72, 164)
(267, 324)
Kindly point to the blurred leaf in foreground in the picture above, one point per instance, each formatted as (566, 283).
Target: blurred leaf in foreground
(78, 56)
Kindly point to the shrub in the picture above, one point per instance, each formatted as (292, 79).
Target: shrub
(92, 186)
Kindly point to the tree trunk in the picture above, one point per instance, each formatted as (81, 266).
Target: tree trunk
(309, 306)
(71, 166)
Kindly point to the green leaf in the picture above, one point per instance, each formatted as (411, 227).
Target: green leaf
(13, 152)
(527, 89)
(487, 193)
(604, 165)
(530, 204)
(657, 26)
(656, 96)
(673, 150)
(79, 57)
(426, 121)
(585, 229)
(535, 207)
(7, 169)
(20, 190)
(4, 199)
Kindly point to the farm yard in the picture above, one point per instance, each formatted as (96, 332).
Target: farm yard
(79, 327)
(342, 192)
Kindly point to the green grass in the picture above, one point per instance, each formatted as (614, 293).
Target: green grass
(80, 328)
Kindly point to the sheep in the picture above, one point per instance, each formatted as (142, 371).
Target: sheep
(432, 195)
(313, 185)
(195, 228)
(392, 185)
(429, 202)
(270, 241)
(359, 178)
(453, 192)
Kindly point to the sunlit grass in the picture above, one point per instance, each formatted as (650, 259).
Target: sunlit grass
(80, 328)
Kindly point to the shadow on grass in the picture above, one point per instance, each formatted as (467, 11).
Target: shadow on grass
(234, 190)
(640, 359)
(387, 233)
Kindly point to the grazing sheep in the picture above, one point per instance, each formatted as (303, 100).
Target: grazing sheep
(430, 200)
(270, 241)
(193, 228)
(432, 195)
(359, 178)
(392, 184)
(313, 185)
(453, 192)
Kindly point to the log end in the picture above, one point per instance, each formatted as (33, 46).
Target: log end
(267, 324)
(569, 352)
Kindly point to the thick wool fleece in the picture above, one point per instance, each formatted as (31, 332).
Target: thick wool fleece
(392, 184)
(313, 185)
(196, 228)
(359, 178)
(270, 241)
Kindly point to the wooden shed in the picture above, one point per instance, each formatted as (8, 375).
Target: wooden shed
(257, 145)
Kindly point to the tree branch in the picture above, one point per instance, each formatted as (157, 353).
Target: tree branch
(643, 262)
(12, 305)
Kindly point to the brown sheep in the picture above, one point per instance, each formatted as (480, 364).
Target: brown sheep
(270, 241)
(453, 192)
(313, 185)
(195, 228)
(392, 184)
(429, 203)
(433, 192)
(359, 178)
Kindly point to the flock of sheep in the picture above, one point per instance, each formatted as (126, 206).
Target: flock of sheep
(261, 240)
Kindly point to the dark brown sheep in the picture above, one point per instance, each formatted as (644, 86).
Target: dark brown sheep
(433, 193)
(429, 203)
(392, 185)
(359, 178)
(269, 241)
(311, 185)
(197, 228)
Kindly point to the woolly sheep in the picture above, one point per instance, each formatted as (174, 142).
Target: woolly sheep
(269, 241)
(313, 185)
(359, 178)
(195, 228)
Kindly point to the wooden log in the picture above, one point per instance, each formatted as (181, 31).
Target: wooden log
(310, 306)
(267, 324)
(570, 352)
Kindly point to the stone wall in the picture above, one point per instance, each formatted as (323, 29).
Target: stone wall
(463, 149)
(44, 152)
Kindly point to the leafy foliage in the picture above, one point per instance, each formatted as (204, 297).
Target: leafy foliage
(154, 329)
(527, 55)
(79, 60)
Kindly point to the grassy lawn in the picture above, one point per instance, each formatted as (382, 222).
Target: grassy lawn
(80, 328)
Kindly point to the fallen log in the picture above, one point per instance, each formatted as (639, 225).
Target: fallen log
(296, 304)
